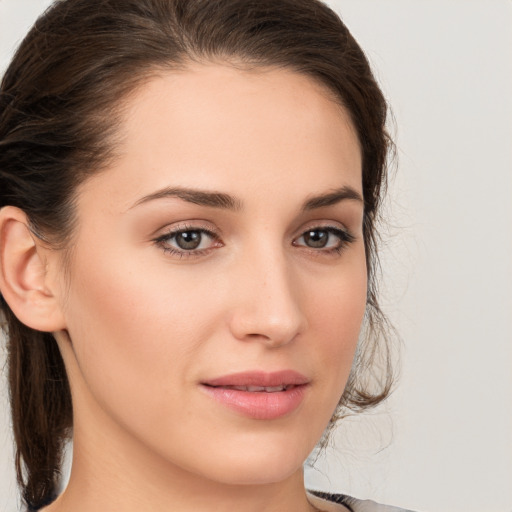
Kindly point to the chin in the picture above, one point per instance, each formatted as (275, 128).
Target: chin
(259, 464)
(264, 474)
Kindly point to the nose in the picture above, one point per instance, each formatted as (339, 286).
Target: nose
(267, 301)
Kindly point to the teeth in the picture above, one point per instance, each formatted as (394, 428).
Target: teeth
(255, 388)
(273, 389)
(239, 388)
(260, 389)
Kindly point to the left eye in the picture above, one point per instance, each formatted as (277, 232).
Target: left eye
(324, 238)
(186, 240)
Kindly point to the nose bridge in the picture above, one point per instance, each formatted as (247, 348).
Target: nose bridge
(268, 306)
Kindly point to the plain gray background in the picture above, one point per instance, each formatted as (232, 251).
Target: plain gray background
(444, 440)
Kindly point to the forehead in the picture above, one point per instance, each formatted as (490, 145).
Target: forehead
(216, 126)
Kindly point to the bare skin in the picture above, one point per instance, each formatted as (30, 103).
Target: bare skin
(145, 322)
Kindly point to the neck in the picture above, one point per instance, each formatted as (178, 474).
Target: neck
(112, 471)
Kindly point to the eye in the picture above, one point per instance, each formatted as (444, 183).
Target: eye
(327, 239)
(188, 241)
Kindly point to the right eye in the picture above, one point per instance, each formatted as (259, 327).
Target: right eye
(188, 241)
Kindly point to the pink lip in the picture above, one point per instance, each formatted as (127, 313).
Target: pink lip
(263, 405)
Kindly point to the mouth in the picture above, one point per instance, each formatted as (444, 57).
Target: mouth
(259, 380)
(258, 389)
(259, 395)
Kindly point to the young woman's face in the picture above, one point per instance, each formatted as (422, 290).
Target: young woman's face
(217, 282)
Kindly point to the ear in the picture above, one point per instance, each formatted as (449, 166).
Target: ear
(24, 282)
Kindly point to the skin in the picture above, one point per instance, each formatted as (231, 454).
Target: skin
(142, 327)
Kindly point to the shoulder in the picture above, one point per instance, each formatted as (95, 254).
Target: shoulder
(336, 502)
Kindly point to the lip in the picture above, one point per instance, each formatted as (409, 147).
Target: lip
(262, 404)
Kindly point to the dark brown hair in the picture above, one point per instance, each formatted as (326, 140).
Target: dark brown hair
(60, 106)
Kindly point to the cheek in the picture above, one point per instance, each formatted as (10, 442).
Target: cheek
(134, 333)
(131, 303)
(336, 313)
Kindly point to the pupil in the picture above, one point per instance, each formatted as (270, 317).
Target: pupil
(188, 239)
(316, 238)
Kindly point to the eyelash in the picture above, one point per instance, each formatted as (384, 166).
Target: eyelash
(345, 238)
(163, 241)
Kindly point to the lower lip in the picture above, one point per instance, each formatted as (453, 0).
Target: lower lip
(259, 405)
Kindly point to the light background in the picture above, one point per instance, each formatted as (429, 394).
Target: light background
(444, 441)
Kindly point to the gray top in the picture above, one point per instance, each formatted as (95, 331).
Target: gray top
(339, 502)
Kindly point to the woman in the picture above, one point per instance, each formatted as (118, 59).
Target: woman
(189, 193)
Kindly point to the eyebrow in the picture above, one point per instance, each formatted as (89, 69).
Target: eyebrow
(200, 197)
(332, 198)
(225, 201)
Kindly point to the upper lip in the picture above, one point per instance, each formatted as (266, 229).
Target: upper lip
(259, 378)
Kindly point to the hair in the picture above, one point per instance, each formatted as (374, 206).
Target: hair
(61, 103)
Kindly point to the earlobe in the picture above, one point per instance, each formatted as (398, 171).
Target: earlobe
(23, 274)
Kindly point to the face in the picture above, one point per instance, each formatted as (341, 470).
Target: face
(217, 281)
